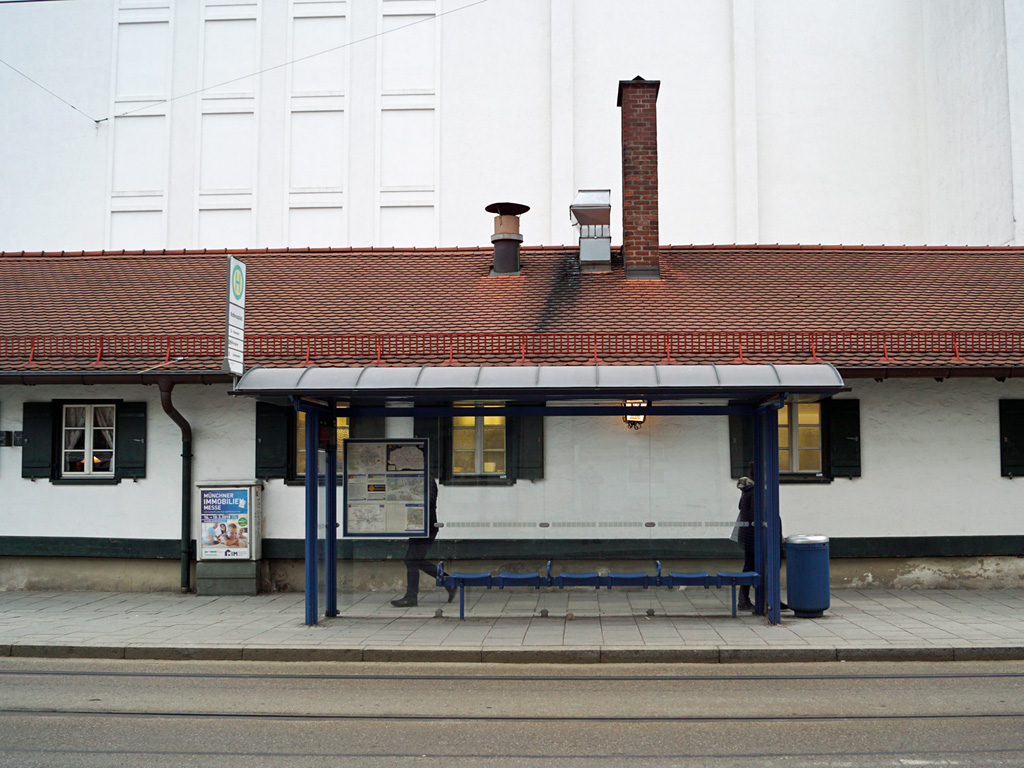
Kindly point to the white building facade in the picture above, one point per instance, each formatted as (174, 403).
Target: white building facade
(241, 123)
(227, 124)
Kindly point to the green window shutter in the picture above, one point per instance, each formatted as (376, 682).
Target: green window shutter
(366, 427)
(524, 441)
(37, 436)
(842, 445)
(130, 441)
(273, 439)
(741, 445)
(1011, 438)
(438, 431)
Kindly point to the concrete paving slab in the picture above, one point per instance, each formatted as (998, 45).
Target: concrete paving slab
(622, 625)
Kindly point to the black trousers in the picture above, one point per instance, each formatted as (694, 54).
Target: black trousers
(416, 561)
(748, 565)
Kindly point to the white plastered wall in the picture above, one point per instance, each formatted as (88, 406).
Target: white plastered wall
(930, 466)
(882, 121)
(930, 456)
(223, 430)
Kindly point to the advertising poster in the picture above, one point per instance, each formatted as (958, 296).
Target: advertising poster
(225, 524)
(386, 488)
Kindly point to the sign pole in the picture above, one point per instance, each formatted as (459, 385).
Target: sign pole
(234, 334)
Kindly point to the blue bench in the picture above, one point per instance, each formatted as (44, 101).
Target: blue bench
(593, 579)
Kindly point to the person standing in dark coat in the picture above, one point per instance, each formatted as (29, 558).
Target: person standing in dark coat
(745, 537)
(416, 557)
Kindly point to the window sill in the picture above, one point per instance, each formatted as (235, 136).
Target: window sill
(479, 480)
(795, 479)
(86, 480)
(301, 481)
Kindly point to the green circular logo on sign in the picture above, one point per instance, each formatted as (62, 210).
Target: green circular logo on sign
(237, 282)
(243, 521)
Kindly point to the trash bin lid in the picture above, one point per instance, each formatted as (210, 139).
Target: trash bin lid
(807, 538)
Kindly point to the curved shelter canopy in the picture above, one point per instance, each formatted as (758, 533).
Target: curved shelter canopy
(748, 383)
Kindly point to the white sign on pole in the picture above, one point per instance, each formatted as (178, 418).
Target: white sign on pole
(234, 339)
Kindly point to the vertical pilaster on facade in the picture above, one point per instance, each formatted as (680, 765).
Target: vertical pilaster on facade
(640, 240)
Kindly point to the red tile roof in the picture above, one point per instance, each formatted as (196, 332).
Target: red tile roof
(774, 296)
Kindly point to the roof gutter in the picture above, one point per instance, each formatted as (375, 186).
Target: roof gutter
(166, 386)
(30, 378)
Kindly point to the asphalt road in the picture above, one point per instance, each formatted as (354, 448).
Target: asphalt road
(106, 713)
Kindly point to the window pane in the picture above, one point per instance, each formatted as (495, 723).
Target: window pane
(494, 439)
(494, 461)
(102, 439)
(809, 413)
(74, 461)
(784, 460)
(464, 421)
(300, 463)
(74, 416)
(784, 416)
(494, 421)
(783, 437)
(74, 438)
(343, 433)
(810, 461)
(463, 439)
(103, 415)
(463, 462)
(102, 461)
(810, 437)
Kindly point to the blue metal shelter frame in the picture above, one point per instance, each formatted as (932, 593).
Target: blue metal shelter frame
(759, 396)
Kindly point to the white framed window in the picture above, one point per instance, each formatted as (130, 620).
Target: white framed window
(343, 433)
(800, 437)
(478, 443)
(87, 440)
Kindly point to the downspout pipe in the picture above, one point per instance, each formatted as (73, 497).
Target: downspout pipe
(166, 385)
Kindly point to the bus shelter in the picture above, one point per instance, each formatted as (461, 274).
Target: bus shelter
(757, 391)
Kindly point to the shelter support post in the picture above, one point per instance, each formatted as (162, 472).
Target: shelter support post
(331, 516)
(766, 503)
(757, 472)
(312, 440)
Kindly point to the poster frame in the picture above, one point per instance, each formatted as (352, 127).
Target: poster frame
(387, 443)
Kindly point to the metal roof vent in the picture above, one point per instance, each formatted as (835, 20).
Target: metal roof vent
(506, 237)
(591, 214)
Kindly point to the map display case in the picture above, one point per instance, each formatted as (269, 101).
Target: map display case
(386, 488)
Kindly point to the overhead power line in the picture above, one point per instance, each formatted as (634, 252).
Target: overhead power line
(40, 85)
(234, 79)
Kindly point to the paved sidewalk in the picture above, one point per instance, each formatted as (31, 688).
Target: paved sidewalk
(580, 625)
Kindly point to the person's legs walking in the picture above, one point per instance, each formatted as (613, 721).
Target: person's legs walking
(748, 565)
(414, 558)
(416, 561)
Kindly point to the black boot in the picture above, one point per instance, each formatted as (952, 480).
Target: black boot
(407, 601)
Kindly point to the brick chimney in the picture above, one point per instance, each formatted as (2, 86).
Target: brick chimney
(640, 242)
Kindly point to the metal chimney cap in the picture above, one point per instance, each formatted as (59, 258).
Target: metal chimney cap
(507, 209)
(591, 206)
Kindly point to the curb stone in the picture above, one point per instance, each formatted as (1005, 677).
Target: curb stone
(890, 653)
(160, 653)
(541, 656)
(301, 654)
(659, 655)
(68, 651)
(992, 653)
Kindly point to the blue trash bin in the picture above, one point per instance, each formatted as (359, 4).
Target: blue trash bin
(807, 575)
